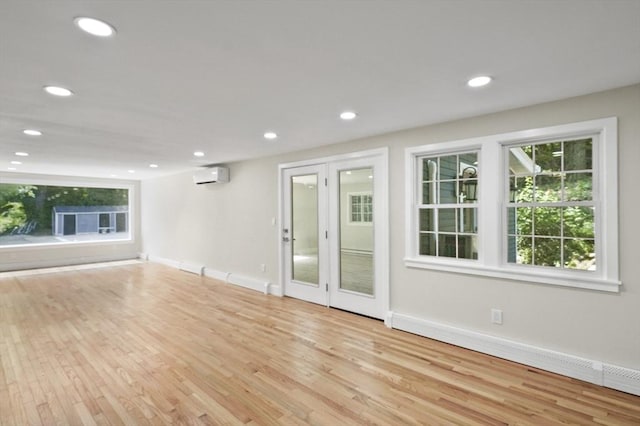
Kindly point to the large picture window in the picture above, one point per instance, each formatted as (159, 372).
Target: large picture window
(538, 205)
(44, 214)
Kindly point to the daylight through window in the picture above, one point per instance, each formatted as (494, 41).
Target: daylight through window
(551, 219)
(537, 205)
(41, 214)
(361, 208)
(447, 208)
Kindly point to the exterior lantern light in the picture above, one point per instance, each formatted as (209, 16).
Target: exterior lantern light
(469, 183)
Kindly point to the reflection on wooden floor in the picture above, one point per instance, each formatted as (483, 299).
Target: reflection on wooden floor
(146, 344)
(356, 271)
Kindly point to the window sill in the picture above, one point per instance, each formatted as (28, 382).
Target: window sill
(517, 274)
(62, 244)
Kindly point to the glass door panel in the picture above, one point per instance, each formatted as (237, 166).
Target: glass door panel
(304, 226)
(356, 230)
(304, 212)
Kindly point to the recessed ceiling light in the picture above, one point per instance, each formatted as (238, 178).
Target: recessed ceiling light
(58, 91)
(348, 115)
(113, 175)
(131, 171)
(370, 177)
(480, 81)
(153, 166)
(198, 154)
(16, 162)
(94, 26)
(270, 135)
(22, 154)
(11, 168)
(32, 132)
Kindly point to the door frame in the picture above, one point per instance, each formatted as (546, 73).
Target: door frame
(382, 219)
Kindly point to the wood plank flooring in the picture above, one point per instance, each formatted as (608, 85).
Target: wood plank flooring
(146, 344)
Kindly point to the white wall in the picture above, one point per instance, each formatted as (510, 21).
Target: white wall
(228, 227)
(40, 256)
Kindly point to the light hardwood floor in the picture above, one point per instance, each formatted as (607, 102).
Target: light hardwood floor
(145, 344)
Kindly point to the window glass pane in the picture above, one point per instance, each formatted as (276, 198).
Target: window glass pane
(429, 169)
(578, 155)
(521, 160)
(468, 220)
(558, 174)
(578, 187)
(511, 249)
(524, 220)
(579, 254)
(548, 156)
(524, 253)
(37, 214)
(548, 188)
(427, 222)
(446, 245)
(427, 245)
(448, 193)
(447, 220)
(511, 221)
(524, 188)
(467, 247)
(468, 160)
(449, 167)
(546, 252)
(304, 217)
(579, 222)
(448, 179)
(547, 221)
(428, 193)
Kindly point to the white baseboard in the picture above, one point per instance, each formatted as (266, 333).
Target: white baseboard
(216, 275)
(615, 377)
(193, 268)
(228, 277)
(71, 261)
(79, 267)
(624, 379)
(163, 261)
(275, 290)
(248, 282)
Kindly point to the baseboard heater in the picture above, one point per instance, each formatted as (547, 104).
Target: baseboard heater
(191, 267)
(250, 283)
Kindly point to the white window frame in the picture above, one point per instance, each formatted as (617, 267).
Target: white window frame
(492, 207)
(438, 205)
(359, 222)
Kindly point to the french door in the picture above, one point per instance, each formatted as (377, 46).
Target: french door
(304, 233)
(335, 233)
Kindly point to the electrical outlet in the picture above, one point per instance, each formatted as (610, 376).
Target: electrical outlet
(263, 267)
(496, 316)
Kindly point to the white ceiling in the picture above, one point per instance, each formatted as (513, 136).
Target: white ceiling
(214, 76)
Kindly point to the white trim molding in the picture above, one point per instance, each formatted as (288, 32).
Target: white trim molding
(492, 207)
(251, 283)
(592, 371)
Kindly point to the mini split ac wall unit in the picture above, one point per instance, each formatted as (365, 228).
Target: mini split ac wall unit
(211, 175)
